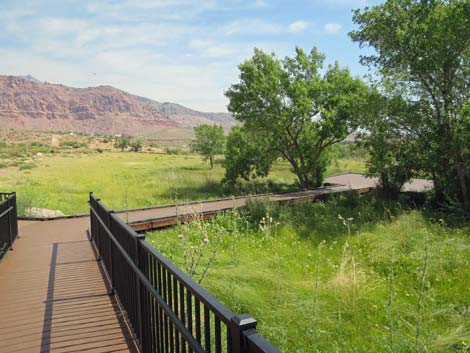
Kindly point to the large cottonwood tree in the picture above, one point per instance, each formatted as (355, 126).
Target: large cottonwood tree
(422, 50)
(291, 110)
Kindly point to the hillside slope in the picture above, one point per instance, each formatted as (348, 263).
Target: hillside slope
(28, 104)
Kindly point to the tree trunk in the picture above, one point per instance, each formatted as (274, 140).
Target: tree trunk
(211, 160)
(461, 174)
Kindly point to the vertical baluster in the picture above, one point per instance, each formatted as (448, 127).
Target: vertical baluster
(165, 298)
(183, 315)
(172, 306)
(207, 329)
(144, 302)
(189, 308)
(197, 313)
(161, 323)
(148, 313)
(218, 338)
(152, 279)
(175, 301)
(152, 304)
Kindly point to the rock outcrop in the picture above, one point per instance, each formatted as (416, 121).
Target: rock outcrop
(27, 104)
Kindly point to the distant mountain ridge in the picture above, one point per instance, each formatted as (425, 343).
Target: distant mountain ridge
(31, 78)
(188, 117)
(29, 104)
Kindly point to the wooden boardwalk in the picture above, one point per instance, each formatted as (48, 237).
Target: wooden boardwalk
(53, 292)
(161, 216)
(53, 297)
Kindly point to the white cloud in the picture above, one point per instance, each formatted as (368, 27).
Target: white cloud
(297, 26)
(332, 28)
(340, 3)
(252, 26)
(262, 27)
(261, 4)
(210, 49)
(60, 26)
(142, 9)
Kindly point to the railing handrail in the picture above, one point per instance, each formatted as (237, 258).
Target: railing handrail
(243, 335)
(6, 212)
(225, 314)
(148, 285)
(8, 227)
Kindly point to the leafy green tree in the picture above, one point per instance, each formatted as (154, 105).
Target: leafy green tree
(136, 145)
(247, 156)
(210, 141)
(393, 151)
(122, 143)
(294, 112)
(422, 50)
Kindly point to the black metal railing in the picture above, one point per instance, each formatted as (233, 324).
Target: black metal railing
(167, 311)
(8, 222)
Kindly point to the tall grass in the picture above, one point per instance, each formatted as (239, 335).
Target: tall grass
(391, 280)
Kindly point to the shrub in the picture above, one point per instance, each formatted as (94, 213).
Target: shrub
(259, 208)
(72, 144)
(136, 146)
(173, 150)
(27, 166)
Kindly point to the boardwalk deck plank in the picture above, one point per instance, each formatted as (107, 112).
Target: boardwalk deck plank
(53, 297)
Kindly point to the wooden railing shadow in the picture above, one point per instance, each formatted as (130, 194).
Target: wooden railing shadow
(79, 314)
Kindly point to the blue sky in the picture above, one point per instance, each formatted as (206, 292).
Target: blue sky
(183, 51)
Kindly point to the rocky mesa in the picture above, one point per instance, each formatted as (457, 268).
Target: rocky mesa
(27, 104)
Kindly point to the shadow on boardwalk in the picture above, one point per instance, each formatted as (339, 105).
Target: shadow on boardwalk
(53, 296)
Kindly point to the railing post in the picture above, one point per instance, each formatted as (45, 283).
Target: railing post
(91, 215)
(137, 286)
(98, 236)
(9, 224)
(239, 324)
(111, 248)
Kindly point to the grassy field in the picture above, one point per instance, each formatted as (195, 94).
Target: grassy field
(350, 275)
(61, 181)
(377, 278)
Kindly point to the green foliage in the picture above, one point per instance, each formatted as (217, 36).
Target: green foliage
(121, 143)
(136, 145)
(349, 151)
(393, 152)
(209, 141)
(422, 50)
(61, 181)
(27, 166)
(291, 111)
(257, 208)
(246, 156)
(173, 150)
(72, 144)
(383, 278)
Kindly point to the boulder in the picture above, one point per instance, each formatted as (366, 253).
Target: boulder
(44, 212)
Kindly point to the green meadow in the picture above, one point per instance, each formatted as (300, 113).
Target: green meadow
(62, 181)
(353, 274)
